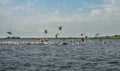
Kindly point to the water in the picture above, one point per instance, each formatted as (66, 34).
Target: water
(95, 55)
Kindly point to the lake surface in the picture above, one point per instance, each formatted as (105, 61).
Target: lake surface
(95, 55)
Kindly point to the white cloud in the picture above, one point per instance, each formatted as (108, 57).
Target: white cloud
(29, 4)
(57, 12)
(111, 7)
(4, 1)
(108, 9)
(15, 8)
(105, 16)
(95, 12)
(80, 9)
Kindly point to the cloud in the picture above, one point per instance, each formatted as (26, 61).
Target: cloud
(101, 18)
(57, 12)
(30, 3)
(80, 9)
(4, 1)
(109, 8)
(108, 11)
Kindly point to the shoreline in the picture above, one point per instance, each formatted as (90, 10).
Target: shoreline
(62, 38)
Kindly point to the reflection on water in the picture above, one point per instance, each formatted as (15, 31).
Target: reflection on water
(93, 56)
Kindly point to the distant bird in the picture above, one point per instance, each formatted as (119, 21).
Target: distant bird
(82, 39)
(82, 34)
(56, 36)
(86, 37)
(60, 28)
(97, 34)
(10, 33)
(100, 39)
(46, 31)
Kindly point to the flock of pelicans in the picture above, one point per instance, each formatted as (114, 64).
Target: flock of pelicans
(56, 35)
(45, 41)
(45, 31)
(81, 41)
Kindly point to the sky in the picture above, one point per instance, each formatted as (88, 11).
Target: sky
(29, 18)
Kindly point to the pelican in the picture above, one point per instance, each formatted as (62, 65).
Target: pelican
(60, 28)
(56, 36)
(46, 31)
(10, 33)
(97, 34)
(82, 34)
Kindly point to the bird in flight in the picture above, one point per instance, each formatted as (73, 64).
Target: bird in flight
(82, 34)
(60, 28)
(10, 33)
(56, 36)
(97, 34)
(46, 31)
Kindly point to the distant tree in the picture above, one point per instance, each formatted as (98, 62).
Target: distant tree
(17, 37)
(13, 37)
(116, 35)
(8, 37)
(107, 36)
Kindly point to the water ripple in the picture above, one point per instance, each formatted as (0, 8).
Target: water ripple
(93, 56)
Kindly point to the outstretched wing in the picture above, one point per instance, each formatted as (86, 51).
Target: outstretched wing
(10, 33)
(56, 36)
(46, 31)
(60, 28)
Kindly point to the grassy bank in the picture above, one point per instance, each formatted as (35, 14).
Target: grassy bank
(100, 37)
(107, 37)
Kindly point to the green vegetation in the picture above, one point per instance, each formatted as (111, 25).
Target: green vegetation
(108, 37)
(96, 37)
(12, 37)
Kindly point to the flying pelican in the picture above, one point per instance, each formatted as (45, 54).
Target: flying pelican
(97, 34)
(82, 34)
(56, 36)
(10, 33)
(60, 28)
(46, 31)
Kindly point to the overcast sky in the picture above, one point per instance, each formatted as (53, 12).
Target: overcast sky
(29, 18)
